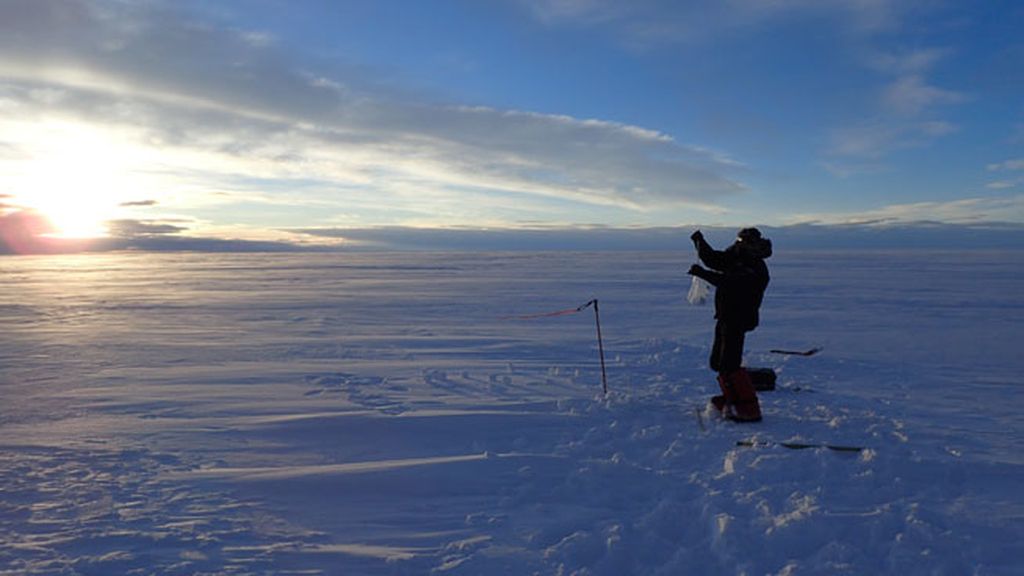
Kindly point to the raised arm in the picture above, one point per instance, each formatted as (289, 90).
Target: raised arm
(714, 259)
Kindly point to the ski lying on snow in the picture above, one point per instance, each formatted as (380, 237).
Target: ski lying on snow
(810, 352)
(797, 445)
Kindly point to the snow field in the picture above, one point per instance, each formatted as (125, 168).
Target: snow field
(337, 414)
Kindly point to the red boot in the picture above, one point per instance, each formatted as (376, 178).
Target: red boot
(740, 398)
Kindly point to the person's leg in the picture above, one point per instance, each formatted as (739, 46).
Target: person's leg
(727, 349)
(715, 361)
(719, 351)
(731, 353)
(738, 399)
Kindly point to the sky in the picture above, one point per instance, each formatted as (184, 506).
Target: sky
(258, 123)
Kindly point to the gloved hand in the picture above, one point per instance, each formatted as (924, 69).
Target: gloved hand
(695, 270)
(697, 237)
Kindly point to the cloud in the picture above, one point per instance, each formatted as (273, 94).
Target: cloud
(875, 139)
(245, 114)
(803, 236)
(1004, 184)
(855, 16)
(910, 93)
(976, 211)
(926, 235)
(139, 203)
(536, 238)
(905, 116)
(1014, 164)
(913, 95)
(1014, 180)
(907, 63)
(906, 111)
(646, 23)
(19, 228)
(579, 11)
(127, 228)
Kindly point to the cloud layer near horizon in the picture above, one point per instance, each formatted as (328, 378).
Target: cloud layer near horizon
(157, 237)
(808, 236)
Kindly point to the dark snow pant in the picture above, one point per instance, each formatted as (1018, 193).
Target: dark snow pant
(739, 399)
(727, 351)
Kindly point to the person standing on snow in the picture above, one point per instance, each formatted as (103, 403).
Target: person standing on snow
(740, 277)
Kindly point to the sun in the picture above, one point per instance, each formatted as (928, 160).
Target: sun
(72, 214)
(76, 178)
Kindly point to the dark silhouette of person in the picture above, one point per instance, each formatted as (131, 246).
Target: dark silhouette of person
(740, 277)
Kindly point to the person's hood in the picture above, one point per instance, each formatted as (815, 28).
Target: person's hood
(752, 248)
(761, 248)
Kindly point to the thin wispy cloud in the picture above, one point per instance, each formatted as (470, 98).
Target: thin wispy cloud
(1012, 165)
(878, 138)
(1011, 174)
(139, 203)
(646, 23)
(913, 95)
(908, 113)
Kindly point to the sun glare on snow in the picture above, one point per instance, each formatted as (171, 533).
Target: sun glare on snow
(76, 177)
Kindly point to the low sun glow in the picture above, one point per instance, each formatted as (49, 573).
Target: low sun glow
(76, 178)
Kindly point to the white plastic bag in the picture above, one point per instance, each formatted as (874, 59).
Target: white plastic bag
(699, 292)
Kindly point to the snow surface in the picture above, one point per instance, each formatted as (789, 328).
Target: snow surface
(381, 414)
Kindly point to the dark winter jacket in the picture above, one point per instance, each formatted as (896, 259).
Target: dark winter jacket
(740, 277)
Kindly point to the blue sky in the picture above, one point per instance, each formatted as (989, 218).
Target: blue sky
(296, 121)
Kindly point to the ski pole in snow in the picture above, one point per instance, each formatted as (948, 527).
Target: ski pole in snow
(797, 445)
(600, 347)
(810, 352)
(600, 341)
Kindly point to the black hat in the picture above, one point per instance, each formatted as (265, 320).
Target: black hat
(750, 242)
(748, 235)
